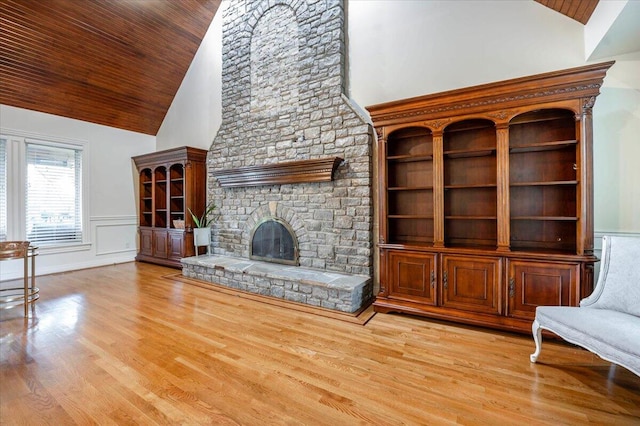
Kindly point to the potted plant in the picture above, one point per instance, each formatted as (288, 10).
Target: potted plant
(202, 223)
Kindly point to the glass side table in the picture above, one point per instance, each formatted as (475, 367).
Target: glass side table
(28, 293)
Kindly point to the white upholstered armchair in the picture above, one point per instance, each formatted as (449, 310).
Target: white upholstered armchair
(607, 322)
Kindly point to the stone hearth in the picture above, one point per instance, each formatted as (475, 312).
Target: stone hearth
(340, 292)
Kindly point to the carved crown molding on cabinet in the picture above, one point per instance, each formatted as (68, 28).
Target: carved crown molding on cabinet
(501, 115)
(437, 124)
(580, 82)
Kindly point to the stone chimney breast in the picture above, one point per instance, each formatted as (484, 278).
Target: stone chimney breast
(283, 100)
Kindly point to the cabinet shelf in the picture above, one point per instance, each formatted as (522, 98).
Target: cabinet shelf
(541, 146)
(471, 217)
(410, 243)
(471, 186)
(545, 183)
(408, 216)
(542, 251)
(411, 188)
(549, 218)
(409, 158)
(468, 153)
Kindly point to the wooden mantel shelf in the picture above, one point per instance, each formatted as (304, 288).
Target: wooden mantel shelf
(300, 171)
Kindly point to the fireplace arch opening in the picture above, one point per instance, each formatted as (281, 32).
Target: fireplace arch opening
(273, 240)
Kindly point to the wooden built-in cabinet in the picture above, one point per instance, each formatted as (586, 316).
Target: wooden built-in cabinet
(485, 199)
(170, 182)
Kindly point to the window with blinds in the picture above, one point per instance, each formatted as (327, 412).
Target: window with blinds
(3, 189)
(53, 202)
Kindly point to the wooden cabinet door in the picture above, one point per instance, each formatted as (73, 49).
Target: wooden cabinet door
(533, 284)
(160, 243)
(471, 283)
(146, 241)
(176, 245)
(412, 276)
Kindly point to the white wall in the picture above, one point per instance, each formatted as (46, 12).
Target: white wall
(112, 204)
(616, 131)
(196, 111)
(401, 49)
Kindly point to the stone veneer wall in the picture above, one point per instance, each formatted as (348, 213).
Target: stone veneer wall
(283, 81)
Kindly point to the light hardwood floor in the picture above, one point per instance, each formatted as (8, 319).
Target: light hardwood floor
(135, 344)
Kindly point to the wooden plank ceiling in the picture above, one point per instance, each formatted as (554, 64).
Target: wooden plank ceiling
(118, 63)
(115, 62)
(580, 10)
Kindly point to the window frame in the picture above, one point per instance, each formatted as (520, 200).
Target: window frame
(4, 191)
(16, 185)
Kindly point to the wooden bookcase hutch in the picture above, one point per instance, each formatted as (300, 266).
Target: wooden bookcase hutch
(170, 182)
(485, 199)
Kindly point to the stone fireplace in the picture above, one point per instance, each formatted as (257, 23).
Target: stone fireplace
(283, 107)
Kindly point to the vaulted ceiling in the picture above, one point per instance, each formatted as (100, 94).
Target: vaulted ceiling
(118, 62)
(580, 10)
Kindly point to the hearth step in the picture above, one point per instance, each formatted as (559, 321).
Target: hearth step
(337, 291)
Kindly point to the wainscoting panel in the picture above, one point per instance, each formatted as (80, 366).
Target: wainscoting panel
(114, 234)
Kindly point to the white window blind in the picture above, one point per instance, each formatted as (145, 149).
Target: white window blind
(3, 189)
(53, 194)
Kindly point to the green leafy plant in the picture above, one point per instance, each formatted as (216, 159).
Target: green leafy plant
(204, 220)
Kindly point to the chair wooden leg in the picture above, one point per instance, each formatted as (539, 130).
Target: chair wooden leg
(537, 338)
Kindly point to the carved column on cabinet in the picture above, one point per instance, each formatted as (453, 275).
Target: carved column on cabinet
(502, 152)
(382, 183)
(584, 123)
(438, 188)
(384, 275)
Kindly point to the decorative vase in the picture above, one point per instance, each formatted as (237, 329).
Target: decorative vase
(201, 237)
